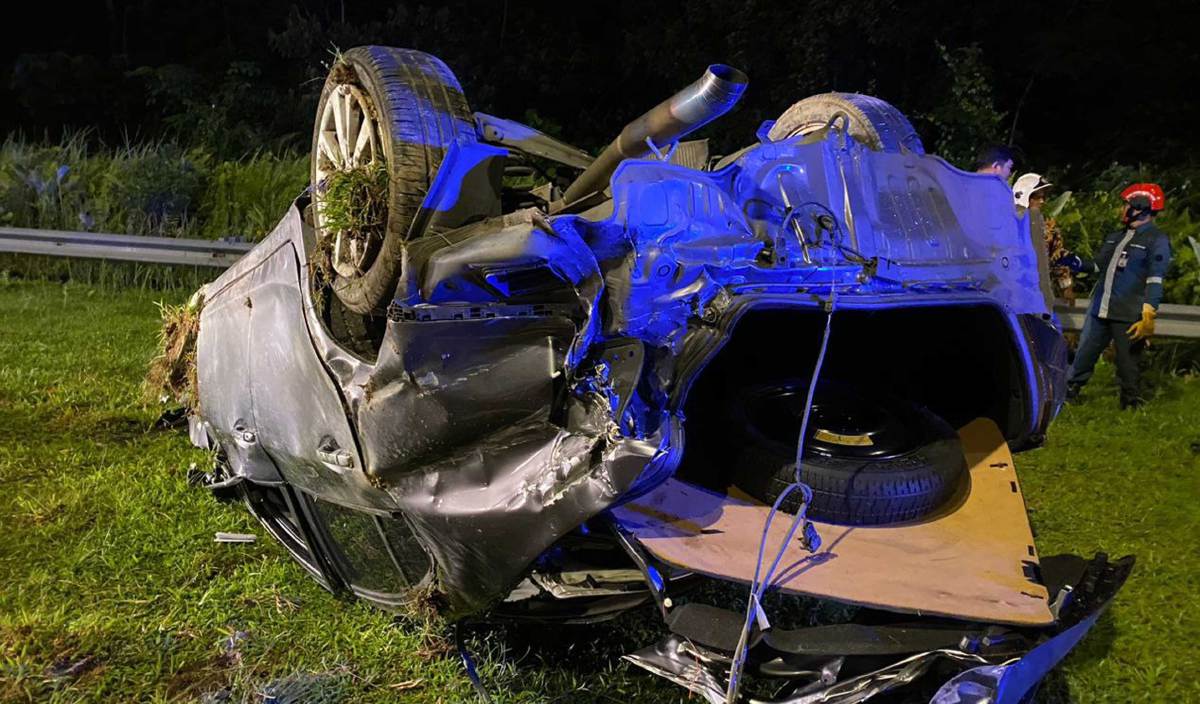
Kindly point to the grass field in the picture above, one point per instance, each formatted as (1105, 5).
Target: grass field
(114, 591)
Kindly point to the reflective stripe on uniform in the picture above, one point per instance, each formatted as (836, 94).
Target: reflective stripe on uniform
(1153, 279)
(1112, 272)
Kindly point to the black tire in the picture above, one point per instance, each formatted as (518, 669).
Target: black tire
(421, 111)
(869, 461)
(873, 122)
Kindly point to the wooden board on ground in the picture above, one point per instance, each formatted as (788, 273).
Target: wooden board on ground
(975, 560)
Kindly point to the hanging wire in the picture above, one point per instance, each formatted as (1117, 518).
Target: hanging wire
(812, 540)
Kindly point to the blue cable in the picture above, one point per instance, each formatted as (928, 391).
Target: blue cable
(758, 588)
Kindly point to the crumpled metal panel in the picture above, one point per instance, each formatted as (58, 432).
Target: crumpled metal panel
(442, 386)
(264, 393)
(223, 377)
(488, 511)
(301, 419)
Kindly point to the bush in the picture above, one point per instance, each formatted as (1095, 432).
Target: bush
(150, 189)
(246, 198)
(163, 189)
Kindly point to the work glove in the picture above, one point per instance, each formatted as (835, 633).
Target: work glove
(1072, 261)
(1144, 328)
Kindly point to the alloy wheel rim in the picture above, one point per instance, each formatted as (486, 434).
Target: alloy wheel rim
(348, 139)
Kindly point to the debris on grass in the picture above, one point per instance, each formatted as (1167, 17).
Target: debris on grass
(407, 685)
(171, 419)
(422, 614)
(308, 688)
(231, 649)
(172, 373)
(65, 667)
(222, 537)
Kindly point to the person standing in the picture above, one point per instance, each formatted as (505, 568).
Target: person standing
(996, 160)
(1029, 193)
(1131, 264)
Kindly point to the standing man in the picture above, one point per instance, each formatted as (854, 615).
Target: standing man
(1029, 193)
(996, 160)
(1131, 265)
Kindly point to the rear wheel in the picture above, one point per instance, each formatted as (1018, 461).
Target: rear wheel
(384, 123)
(871, 121)
(869, 460)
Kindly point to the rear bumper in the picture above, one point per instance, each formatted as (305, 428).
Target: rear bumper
(951, 662)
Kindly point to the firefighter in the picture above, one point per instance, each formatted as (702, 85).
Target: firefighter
(1131, 265)
(1029, 193)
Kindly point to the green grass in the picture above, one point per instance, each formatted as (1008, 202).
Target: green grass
(107, 554)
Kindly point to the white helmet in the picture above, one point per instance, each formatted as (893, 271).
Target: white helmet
(1025, 186)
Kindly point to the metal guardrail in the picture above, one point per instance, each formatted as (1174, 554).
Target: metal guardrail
(130, 248)
(1173, 320)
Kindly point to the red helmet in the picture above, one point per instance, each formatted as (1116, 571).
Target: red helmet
(1150, 191)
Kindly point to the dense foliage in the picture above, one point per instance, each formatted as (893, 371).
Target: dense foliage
(1076, 84)
(164, 189)
(147, 189)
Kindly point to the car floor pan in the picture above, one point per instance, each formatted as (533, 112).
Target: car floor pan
(974, 560)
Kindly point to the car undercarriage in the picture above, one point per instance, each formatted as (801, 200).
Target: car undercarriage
(563, 403)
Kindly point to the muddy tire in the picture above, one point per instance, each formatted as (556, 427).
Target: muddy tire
(869, 461)
(417, 109)
(873, 122)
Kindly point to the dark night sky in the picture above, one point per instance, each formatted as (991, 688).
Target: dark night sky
(1101, 81)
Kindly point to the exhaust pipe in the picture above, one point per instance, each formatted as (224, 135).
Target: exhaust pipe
(712, 96)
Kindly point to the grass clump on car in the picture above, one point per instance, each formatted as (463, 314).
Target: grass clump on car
(172, 373)
(354, 202)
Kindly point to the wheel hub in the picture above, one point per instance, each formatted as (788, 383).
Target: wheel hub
(842, 422)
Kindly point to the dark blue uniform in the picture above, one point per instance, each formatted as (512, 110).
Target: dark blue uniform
(1131, 265)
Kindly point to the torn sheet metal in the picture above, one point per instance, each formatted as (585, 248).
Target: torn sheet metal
(999, 667)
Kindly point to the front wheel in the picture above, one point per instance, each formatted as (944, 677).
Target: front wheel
(384, 123)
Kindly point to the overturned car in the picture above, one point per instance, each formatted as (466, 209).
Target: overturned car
(560, 404)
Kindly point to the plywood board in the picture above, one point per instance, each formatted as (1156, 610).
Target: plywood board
(975, 560)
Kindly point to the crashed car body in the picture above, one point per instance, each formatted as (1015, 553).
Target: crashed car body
(542, 364)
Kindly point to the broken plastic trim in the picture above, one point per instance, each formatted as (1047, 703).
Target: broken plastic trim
(999, 665)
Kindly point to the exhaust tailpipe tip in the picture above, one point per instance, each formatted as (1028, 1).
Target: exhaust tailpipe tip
(713, 95)
(717, 91)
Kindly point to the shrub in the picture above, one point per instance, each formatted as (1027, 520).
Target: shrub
(246, 198)
(157, 188)
(153, 189)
